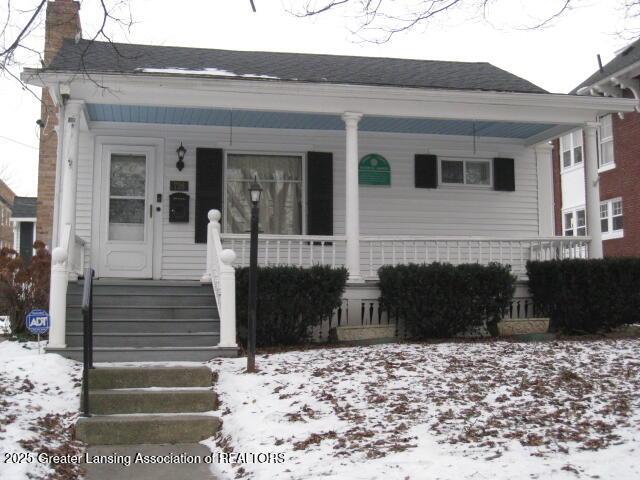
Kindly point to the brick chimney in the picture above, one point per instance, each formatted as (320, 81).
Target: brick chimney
(63, 21)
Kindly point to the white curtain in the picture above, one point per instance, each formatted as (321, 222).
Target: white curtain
(281, 204)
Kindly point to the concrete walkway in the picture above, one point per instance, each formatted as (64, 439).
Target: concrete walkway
(148, 471)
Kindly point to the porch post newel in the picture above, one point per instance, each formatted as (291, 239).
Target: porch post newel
(228, 300)
(58, 298)
(592, 191)
(352, 212)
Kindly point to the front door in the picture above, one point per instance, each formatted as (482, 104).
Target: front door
(127, 210)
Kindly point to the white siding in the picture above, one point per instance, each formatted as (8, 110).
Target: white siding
(400, 209)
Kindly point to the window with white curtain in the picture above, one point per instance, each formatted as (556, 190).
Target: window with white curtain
(571, 149)
(280, 177)
(605, 137)
(574, 222)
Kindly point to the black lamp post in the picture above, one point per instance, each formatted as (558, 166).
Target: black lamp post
(256, 192)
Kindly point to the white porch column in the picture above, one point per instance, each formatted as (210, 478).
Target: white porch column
(69, 170)
(62, 255)
(544, 165)
(592, 191)
(352, 212)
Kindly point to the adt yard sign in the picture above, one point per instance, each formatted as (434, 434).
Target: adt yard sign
(38, 322)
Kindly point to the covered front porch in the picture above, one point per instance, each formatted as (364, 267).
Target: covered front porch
(469, 178)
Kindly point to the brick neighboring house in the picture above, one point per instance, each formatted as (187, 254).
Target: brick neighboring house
(618, 140)
(23, 221)
(6, 204)
(62, 22)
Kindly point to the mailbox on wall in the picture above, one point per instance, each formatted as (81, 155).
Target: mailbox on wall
(179, 208)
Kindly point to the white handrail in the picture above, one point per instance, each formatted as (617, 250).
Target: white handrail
(221, 274)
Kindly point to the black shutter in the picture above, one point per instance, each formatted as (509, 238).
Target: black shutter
(504, 178)
(426, 171)
(208, 188)
(319, 193)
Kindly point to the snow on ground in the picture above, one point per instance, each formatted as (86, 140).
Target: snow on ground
(39, 398)
(499, 410)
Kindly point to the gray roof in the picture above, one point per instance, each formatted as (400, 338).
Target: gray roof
(129, 58)
(626, 58)
(24, 207)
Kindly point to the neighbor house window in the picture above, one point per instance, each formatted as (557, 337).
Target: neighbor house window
(611, 218)
(605, 137)
(574, 223)
(280, 177)
(571, 149)
(465, 172)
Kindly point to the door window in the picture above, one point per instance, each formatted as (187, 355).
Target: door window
(127, 187)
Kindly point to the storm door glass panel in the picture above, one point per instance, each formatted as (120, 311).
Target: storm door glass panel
(127, 181)
(280, 177)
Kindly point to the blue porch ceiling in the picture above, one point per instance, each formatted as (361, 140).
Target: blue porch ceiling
(306, 121)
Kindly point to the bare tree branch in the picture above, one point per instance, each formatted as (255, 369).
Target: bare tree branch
(377, 21)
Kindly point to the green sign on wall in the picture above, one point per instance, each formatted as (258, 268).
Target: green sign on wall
(374, 169)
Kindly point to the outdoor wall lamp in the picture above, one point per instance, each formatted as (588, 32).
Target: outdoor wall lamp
(181, 152)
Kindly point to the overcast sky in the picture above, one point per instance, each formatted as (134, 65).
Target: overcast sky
(555, 58)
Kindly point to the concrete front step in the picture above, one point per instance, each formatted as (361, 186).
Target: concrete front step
(154, 429)
(128, 339)
(147, 299)
(148, 325)
(102, 378)
(129, 401)
(170, 312)
(148, 354)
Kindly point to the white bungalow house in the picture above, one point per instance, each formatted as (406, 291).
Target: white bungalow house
(363, 162)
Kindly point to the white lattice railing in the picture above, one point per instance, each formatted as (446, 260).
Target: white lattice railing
(300, 250)
(393, 250)
(221, 274)
(375, 251)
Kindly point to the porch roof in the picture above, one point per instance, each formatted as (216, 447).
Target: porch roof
(307, 121)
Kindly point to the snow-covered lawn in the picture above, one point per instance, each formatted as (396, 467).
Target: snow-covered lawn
(496, 410)
(39, 399)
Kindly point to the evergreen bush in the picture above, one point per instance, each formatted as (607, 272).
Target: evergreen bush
(291, 300)
(442, 300)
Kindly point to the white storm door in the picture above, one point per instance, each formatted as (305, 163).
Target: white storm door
(126, 226)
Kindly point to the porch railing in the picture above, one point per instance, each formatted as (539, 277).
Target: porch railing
(394, 250)
(376, 251)
(300, 250)
(221, 274)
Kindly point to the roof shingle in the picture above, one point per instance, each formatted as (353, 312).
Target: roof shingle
(131, 58)
(627, 57)
(24, 207)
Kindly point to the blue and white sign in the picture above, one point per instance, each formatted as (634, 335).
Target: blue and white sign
(38, 322)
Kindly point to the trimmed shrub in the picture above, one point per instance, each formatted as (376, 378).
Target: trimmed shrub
(442, 300)
(291, 300)
(586, 296)
(23, 287)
